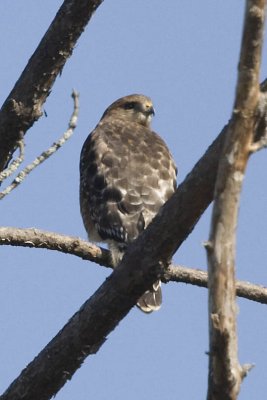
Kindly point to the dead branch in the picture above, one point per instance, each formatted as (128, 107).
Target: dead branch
(197, 277)
(24, 104)
(225, 372)
(39, 239)
(45, 154)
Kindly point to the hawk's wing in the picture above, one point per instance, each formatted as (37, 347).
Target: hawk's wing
(127, 174)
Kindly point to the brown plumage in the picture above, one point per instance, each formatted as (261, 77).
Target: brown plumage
(127, 173)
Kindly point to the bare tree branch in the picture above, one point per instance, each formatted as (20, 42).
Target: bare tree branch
(23, 106)
(54, 241)
(47, 153)
(225, 372)
(247, 290)
(39, 239)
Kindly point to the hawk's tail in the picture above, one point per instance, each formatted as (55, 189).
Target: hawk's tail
(151, 300)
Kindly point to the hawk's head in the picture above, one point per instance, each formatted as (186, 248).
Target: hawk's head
(135, 108)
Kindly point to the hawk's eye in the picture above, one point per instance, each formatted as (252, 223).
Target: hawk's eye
(130, 105)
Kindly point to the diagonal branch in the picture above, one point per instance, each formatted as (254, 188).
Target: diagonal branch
(225, 372)
(23, 106)
(39, 239)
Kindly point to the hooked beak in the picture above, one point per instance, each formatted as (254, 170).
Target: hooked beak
(150, 111)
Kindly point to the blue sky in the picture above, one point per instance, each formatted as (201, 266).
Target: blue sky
(184, 56)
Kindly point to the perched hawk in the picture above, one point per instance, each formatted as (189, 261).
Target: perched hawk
(127, 174)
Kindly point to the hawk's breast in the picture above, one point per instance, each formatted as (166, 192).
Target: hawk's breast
(127, 174)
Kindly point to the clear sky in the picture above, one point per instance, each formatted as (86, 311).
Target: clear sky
(184, 56)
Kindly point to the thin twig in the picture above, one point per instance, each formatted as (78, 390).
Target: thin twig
(47, 153)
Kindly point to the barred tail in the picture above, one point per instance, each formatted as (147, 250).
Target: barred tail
(151, 300)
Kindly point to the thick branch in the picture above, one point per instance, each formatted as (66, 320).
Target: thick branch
(225, 372)
(23, 106)
(39, 239)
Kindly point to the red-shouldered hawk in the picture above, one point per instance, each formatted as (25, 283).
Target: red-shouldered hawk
(127, 173)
